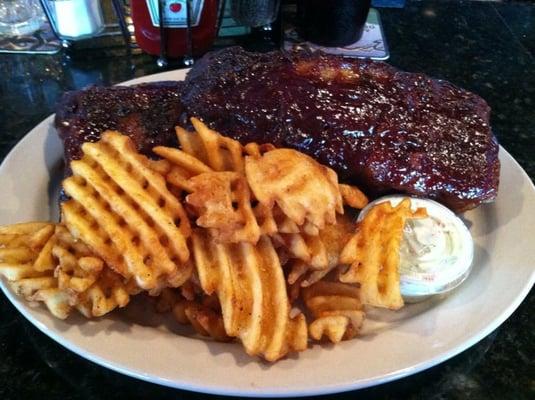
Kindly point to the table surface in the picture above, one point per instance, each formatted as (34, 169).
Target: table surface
(486, 47)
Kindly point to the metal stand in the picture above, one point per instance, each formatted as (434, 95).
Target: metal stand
(119, 13)
(162, 60)
(188, 59)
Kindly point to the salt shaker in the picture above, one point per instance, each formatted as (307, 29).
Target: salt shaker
(74, 19)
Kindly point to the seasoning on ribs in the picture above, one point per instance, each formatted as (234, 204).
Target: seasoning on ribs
(147, 113)
(376, 126)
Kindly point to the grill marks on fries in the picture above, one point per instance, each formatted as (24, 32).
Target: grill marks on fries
(373, 254)
(145, 227)
(250, 285)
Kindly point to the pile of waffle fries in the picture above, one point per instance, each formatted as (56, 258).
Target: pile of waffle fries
(248, 243)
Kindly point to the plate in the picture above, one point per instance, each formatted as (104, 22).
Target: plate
(393, 345)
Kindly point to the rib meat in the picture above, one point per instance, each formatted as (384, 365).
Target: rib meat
(378, 127)
(147, 113)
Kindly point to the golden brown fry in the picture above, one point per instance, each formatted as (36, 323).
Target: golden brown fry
(22, 245)
(56, 300)
(373, 254)
(122, 209)
(305, 191)
(203, 154)
(250, 285)
(313, 257)
(219, 152)
(222, 202)
(336, 308)
(78, 269)
(204, 320)
(107, 293)
(309, 249)
(259, 210)
(60, 271)
(205, 151)
(204, 315)
(352, 196)
(23, 229)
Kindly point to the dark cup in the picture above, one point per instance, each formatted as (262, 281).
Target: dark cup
(332, 23)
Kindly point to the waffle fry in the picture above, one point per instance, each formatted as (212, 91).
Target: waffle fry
(206, 151)
(60, 271)
(373, 254)
(204, 320)
(222, 201)
(309, 264)
(123, 211)
(352, 196)
(93, 288)
(77, 268)
(26, 263)
(305, 191)
(249, 283)
(203, 314)
(307, 248)
(336, 308)
(219, 152)
(269, 231)
(105, 295)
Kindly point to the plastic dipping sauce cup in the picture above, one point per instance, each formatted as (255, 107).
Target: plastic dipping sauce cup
(436, 252)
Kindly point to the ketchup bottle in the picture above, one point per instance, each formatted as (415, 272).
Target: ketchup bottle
(203, 17)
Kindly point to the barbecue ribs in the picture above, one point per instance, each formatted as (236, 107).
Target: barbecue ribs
(383, 129)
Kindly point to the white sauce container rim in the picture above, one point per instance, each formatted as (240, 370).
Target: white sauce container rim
(418, 286)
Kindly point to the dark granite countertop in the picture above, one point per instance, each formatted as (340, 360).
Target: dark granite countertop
(486, 47)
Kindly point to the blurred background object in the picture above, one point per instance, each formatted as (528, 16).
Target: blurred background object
(20, 17)
(332, 23)
(74, 19)
(255, 13)
(372, 44)
(175, 28)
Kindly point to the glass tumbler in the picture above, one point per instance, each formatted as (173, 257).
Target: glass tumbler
(332, 23)
(20, 17)
(255, 13)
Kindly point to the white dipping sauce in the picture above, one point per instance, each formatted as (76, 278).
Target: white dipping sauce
(436, 252)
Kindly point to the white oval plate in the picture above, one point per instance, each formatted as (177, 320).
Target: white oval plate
(394, 344)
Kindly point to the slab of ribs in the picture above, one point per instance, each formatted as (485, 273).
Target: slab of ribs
(383, 129)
